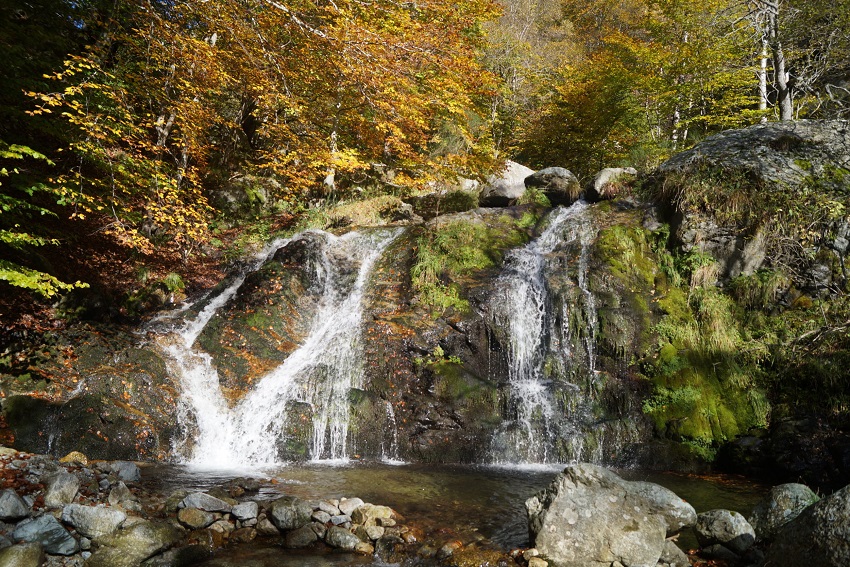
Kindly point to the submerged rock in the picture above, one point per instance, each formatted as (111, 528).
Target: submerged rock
(61, 489)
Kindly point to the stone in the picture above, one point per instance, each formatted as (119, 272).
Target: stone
(75, 457)
(243, 535)
(672, 556)
(781, 505)
(590, 517)
(61, 488)
(120, 495)
(266, 527)
(12, 506)
(289, 513)
(725, 527)
(22, 555)
(126, 471)
(369, 532)
(720, 552)
(537, 562)
(448, 549)
(47, 531)
(172, 503)
(818, 536)
(131, 546)
(203, 501)
(367, 514)
(180, 557)
(329, 508)
(321, 516)
(559, 185)
(302, 537)
(93, 521)
(607, 183)
(341, 538)
(347, 506)
(364, 548)
(504, 189)
(223, 527)
(340, 520)
(194, 518)
(675, 512)
(245, 511)
(320, 529)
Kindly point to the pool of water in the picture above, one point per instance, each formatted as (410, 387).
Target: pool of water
(466, 499)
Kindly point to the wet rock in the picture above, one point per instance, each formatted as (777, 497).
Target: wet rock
(194, 518)
(130, 546)
(672, 556)
(449, 549)
(243, 535)
(720, 552)
(302, 537)
(47, 531)
(725, 527)
(172, 503)
(75, 457)
(329, 508)
(590, 517)
(537, 562)
(781, 505)
(22, 555)
(505, 189)
(320, 529)
(341, 538)
(675, 512)
(93, 521)
(204, 501)
(818, 536)
(607, 183)
(61, 489)
(559, 185)
(12, 506)
(266, 527)
(180, 557)
(245, 511)
(369, 533)
(321, 516)
(347, 506)
(290, 513)
(340, 520)
(367, 514)
(364, 548)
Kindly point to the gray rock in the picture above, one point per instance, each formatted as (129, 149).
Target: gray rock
(266, 527)
(120, 495)
(347, 506)
(321, 516)
(47, 531)
(93, 521)
(606, 184)
(819, 536)
(126, 471)
(130, 546)
(504, 189)
(340, 520)
(195, 519)
(367, 514)
(725, 527)
(61, 489)
(22, 555)
(320, 529)
(672, 556)
(12, 506)
(675, 512)
(245, 511)
(590, 517)
(781, 505)
(559, 185)
(341, 538)
(203, 501)
(290, 513)
(329, 508)
(720, 552)
(302, 537)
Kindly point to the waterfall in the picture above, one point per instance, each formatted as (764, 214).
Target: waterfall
(319, 373)
(522, 309)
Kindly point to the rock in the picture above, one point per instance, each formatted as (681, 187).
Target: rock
(505, 189)
(449, 549)
(329, 508)
(290, 513)
(204, 501)
(194, 518)
(559, 185)
(180, 557)
(61, 489)
(126, 471)
(367, 514)
(47, 531)
(369, 533)
(223, 527)
(725, 527)
(12, 506)
(347, 506)
(302, 537)
(341, 538)
(672, 556)
(22, 555)
(607, 183)
(364, 548)
(266, 527)
(243, 535)
(819, 536)
(120, 495)
(781, 505)
(130, 546)
(590, 517)
(245, 511)
(75, 457)
(675, 512)
(93, 521)
(321, 516)
(320, 529)
(172, 503)
(537, 562)
(340, 520)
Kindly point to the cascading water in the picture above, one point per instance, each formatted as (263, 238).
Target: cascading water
(319, 373)
(522, 308)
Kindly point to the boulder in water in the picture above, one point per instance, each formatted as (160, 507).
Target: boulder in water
(93, 521)
(725, 527)
(559, 185)
(290, 513)
(505, 189)
(341, 538)
(203, 501)
(131, 546)
(782, 504)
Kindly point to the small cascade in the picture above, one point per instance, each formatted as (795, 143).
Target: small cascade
(522, 308)
(318, 375)
(389, 454)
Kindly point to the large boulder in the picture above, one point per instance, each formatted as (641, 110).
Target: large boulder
(820, 535)
(131, 546)
(781, 505)
(725, 527)
(22, 555)
(47, 531)
(608, 183)
(290, 513)
(12, 506)
(61, 489)
(503, 190)
(590, 517)
(93, 521)
(559, 185)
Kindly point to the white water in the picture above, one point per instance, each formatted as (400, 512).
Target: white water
(320, 372)
(523, 308)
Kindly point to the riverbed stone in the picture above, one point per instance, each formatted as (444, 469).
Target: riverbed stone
(60, 489)
(321, 516)
(22, 555)
(195, 518)
(129, 547)
(347, 506)
(725, 527)
(329, 507)
(676, 513)
(12, 506)
(122, 496)
(781, 505)
(126, 471)
(203, 501)
(340, 520)
(245, 511)
(290, 513)
(673, 556)
(47, 531)
(302, 537)
(369, 532)
(93, 521)
(180, 557)
(367, 514)
(341, 538)
(266, 527)
(590, 517)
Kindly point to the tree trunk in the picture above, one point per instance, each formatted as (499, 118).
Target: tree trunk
(762, 76)
(783, 91)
